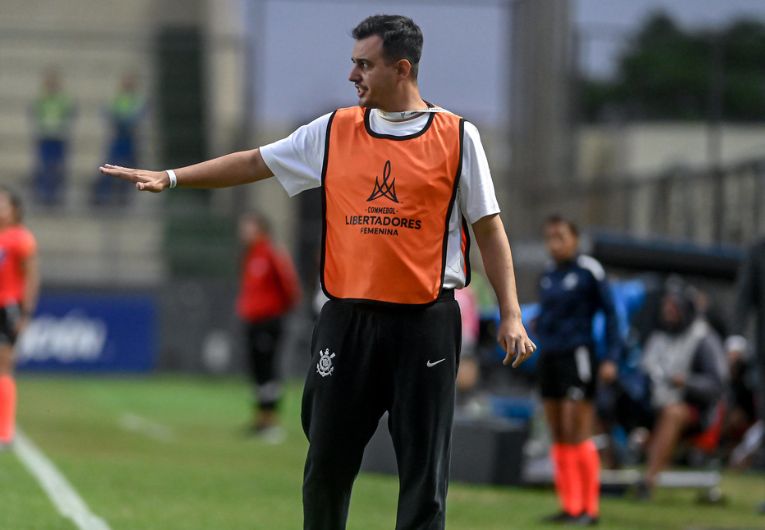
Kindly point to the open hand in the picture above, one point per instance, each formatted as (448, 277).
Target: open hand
(153, 181)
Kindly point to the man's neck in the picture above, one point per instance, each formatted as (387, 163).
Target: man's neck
(410, 100)
(404, 109)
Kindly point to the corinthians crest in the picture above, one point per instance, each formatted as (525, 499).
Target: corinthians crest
(324, 366)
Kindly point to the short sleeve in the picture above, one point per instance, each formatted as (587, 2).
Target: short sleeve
(476, 191)
(296, 161)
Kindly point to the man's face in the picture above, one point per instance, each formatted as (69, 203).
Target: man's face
(562, 243)
(375, 80)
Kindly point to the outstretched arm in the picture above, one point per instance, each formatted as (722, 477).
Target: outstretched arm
(233, 169)
(498, 264)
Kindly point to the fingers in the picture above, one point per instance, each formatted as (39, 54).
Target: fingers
(111, 169)
(519, 348)
(143, 180)
(123, 173)
(525, 348)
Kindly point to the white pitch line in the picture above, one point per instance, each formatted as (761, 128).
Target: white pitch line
(63, 495)
(146, 427)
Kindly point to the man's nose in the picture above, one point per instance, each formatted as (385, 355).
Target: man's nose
(354, 77)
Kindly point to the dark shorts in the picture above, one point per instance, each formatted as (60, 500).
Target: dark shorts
(568, 375)
(9, 318)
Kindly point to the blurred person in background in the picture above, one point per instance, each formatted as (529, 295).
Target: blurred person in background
(124, 116)
(741, 421)
(685, 364)
(19, 289)
(468, 373)
(572, 289)
(52, 115)
(401, 179)
(750, 299)
(269, 289)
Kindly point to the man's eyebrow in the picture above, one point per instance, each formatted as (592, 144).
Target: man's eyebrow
(359, 60)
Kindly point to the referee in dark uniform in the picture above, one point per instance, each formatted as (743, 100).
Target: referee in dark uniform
(402, 181)
(571, 290)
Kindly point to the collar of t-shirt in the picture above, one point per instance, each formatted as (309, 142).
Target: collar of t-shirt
(397, 128)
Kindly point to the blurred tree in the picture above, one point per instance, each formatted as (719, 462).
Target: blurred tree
(670, 73)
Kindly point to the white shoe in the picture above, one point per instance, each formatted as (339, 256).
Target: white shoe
(273, 435)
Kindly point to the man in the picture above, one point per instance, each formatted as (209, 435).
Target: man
(572, 289)
(394, 248)
(19, 287)
(269, 288)
(751, 297)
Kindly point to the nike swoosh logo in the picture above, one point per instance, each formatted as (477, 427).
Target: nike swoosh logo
(431, 365)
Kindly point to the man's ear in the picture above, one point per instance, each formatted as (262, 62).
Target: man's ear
(404, 68)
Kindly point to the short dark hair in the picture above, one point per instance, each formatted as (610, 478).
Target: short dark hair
(401, 37)
(15, 200)
(557, 219)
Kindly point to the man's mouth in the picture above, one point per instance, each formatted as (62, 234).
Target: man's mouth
(360, 90)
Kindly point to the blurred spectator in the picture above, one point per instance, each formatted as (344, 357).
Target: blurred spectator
(742, 413)
(124, 115)
(685, 363)
(269, 289)
(486, 348)
(751, 299)
(468, 371)
(571, 290)
(52, 113)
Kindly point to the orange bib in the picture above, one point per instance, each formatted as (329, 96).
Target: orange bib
(387, 204)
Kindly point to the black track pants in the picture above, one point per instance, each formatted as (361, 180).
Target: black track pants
(367, 360)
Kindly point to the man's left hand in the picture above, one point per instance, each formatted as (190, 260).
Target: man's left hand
(513, 338)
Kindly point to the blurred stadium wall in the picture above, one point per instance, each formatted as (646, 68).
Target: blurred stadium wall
(189, 57)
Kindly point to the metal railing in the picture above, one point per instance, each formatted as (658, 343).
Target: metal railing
(710, 206)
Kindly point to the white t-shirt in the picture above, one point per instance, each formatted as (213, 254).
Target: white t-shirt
(297, 162)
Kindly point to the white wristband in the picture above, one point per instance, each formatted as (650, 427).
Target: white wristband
(173, 178)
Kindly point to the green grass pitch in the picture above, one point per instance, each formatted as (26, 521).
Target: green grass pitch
(192, 469)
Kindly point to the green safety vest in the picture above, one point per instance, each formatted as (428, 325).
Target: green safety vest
(126, 105)
(53, 113)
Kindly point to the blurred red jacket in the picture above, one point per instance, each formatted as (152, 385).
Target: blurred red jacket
(269, 285)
